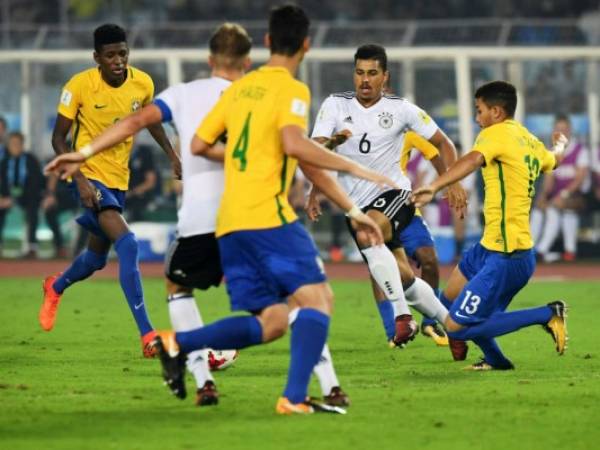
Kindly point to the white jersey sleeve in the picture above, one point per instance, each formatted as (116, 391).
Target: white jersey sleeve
(418, 120)
(326, 119)
(169, 96)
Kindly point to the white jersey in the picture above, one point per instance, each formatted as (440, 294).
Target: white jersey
(377, 138)
(203, 179)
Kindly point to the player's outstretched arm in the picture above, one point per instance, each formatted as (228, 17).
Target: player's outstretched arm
(158, 133)
(68, 164)
(332, 190)
(459, 170)
(299, 146)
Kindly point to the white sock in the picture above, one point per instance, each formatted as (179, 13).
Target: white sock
(384, 270)
(550, 230)
(185, 316)
(537, 220)
(570, 227)
(324, 368)
(422, 297)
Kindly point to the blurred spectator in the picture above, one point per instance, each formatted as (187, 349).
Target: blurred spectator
(593, 198)
(21, 183)
(144, 183)
(561, 199)
(57, 199)
(3, 130)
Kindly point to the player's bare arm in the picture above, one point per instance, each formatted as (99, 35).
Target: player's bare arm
(459, 170)
(158, 133)
(457, 197)
(332, 190)
(214, 152)
(304, 149)
(87, 192)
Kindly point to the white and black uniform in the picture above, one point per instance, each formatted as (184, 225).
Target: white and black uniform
(193, 258)
(376, 143)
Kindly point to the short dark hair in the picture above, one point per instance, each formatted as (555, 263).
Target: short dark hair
(3, 121)
(230, 42)
(288, 27)
(16, 134)
(499, 93)
(562, 117)
(109, 33)
(372, 51)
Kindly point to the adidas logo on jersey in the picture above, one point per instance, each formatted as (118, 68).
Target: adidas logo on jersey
(348, 120)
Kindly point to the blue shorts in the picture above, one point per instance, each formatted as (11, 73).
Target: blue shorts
(263, 267)
(107, 198)
(415, 236)
(494, 279)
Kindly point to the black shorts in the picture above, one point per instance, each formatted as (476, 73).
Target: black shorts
(394, 204)
(194, 262)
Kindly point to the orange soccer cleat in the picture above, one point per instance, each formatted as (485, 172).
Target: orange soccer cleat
(47, 315)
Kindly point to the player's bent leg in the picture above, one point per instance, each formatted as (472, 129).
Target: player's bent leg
(91, 260)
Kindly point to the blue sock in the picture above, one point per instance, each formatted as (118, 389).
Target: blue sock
(386, 311)
(501, 323)
(491, 352)
(309, 335)
(232, 333)
(83, 266)
(129, 276)
(444, 300)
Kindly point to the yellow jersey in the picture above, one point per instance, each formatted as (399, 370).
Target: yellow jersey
(258, 173)
(93, 106)
(514, 159)
(427, 149)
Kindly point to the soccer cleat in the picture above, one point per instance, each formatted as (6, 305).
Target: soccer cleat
(172, 361)
(207, 395)
(47, 315)
(406, 330)
(557, 325)
(284, 406)
(436, 333)
(148, 349)
(319, 406)
(483, 365)
(459, 349)
(336, 397)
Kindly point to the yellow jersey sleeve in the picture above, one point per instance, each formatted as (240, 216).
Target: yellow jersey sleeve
(293, 106)
(487, 144)
(150, 88)
(70, 98)
(427, 149)
(548, 159)
(213, 125)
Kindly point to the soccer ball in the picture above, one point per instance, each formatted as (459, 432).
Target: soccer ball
(221, 359)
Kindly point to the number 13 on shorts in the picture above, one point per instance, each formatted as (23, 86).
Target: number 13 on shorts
(470, 303)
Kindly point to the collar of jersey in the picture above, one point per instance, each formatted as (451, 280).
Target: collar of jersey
(98, 81)
(274, 69)
(370, 108)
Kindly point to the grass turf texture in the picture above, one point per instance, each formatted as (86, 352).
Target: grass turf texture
(85, 384)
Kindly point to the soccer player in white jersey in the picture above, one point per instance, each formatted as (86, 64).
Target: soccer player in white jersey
(368, 126)
(193, 260)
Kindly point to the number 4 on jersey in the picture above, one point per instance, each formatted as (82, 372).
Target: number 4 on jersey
(241, 146)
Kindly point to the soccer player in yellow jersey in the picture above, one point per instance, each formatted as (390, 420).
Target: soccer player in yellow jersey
(266, 254)
(493, 271)
(90, 102)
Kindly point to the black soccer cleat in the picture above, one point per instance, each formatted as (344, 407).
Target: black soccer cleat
(483, 365)
(173, 368)
(207, 395)
(337, 397)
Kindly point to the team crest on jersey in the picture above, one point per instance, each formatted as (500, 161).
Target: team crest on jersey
(386, 120)
(135, 105)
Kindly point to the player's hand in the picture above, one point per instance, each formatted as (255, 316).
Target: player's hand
(87, 193)
(380, 180)
(364, 224)
(558, 137)
(313, 207)
(65, 165)
(338, 139)
(423, 195)
(457, 199)
(176, 165)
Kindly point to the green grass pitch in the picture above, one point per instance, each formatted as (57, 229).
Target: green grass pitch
(85, 385)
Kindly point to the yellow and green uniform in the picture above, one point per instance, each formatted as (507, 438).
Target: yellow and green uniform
(258, 173)
(514, 159)
(93, 106)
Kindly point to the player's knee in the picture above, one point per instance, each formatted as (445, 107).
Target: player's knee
(274, 322)
(451, 326)
(126, 244)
